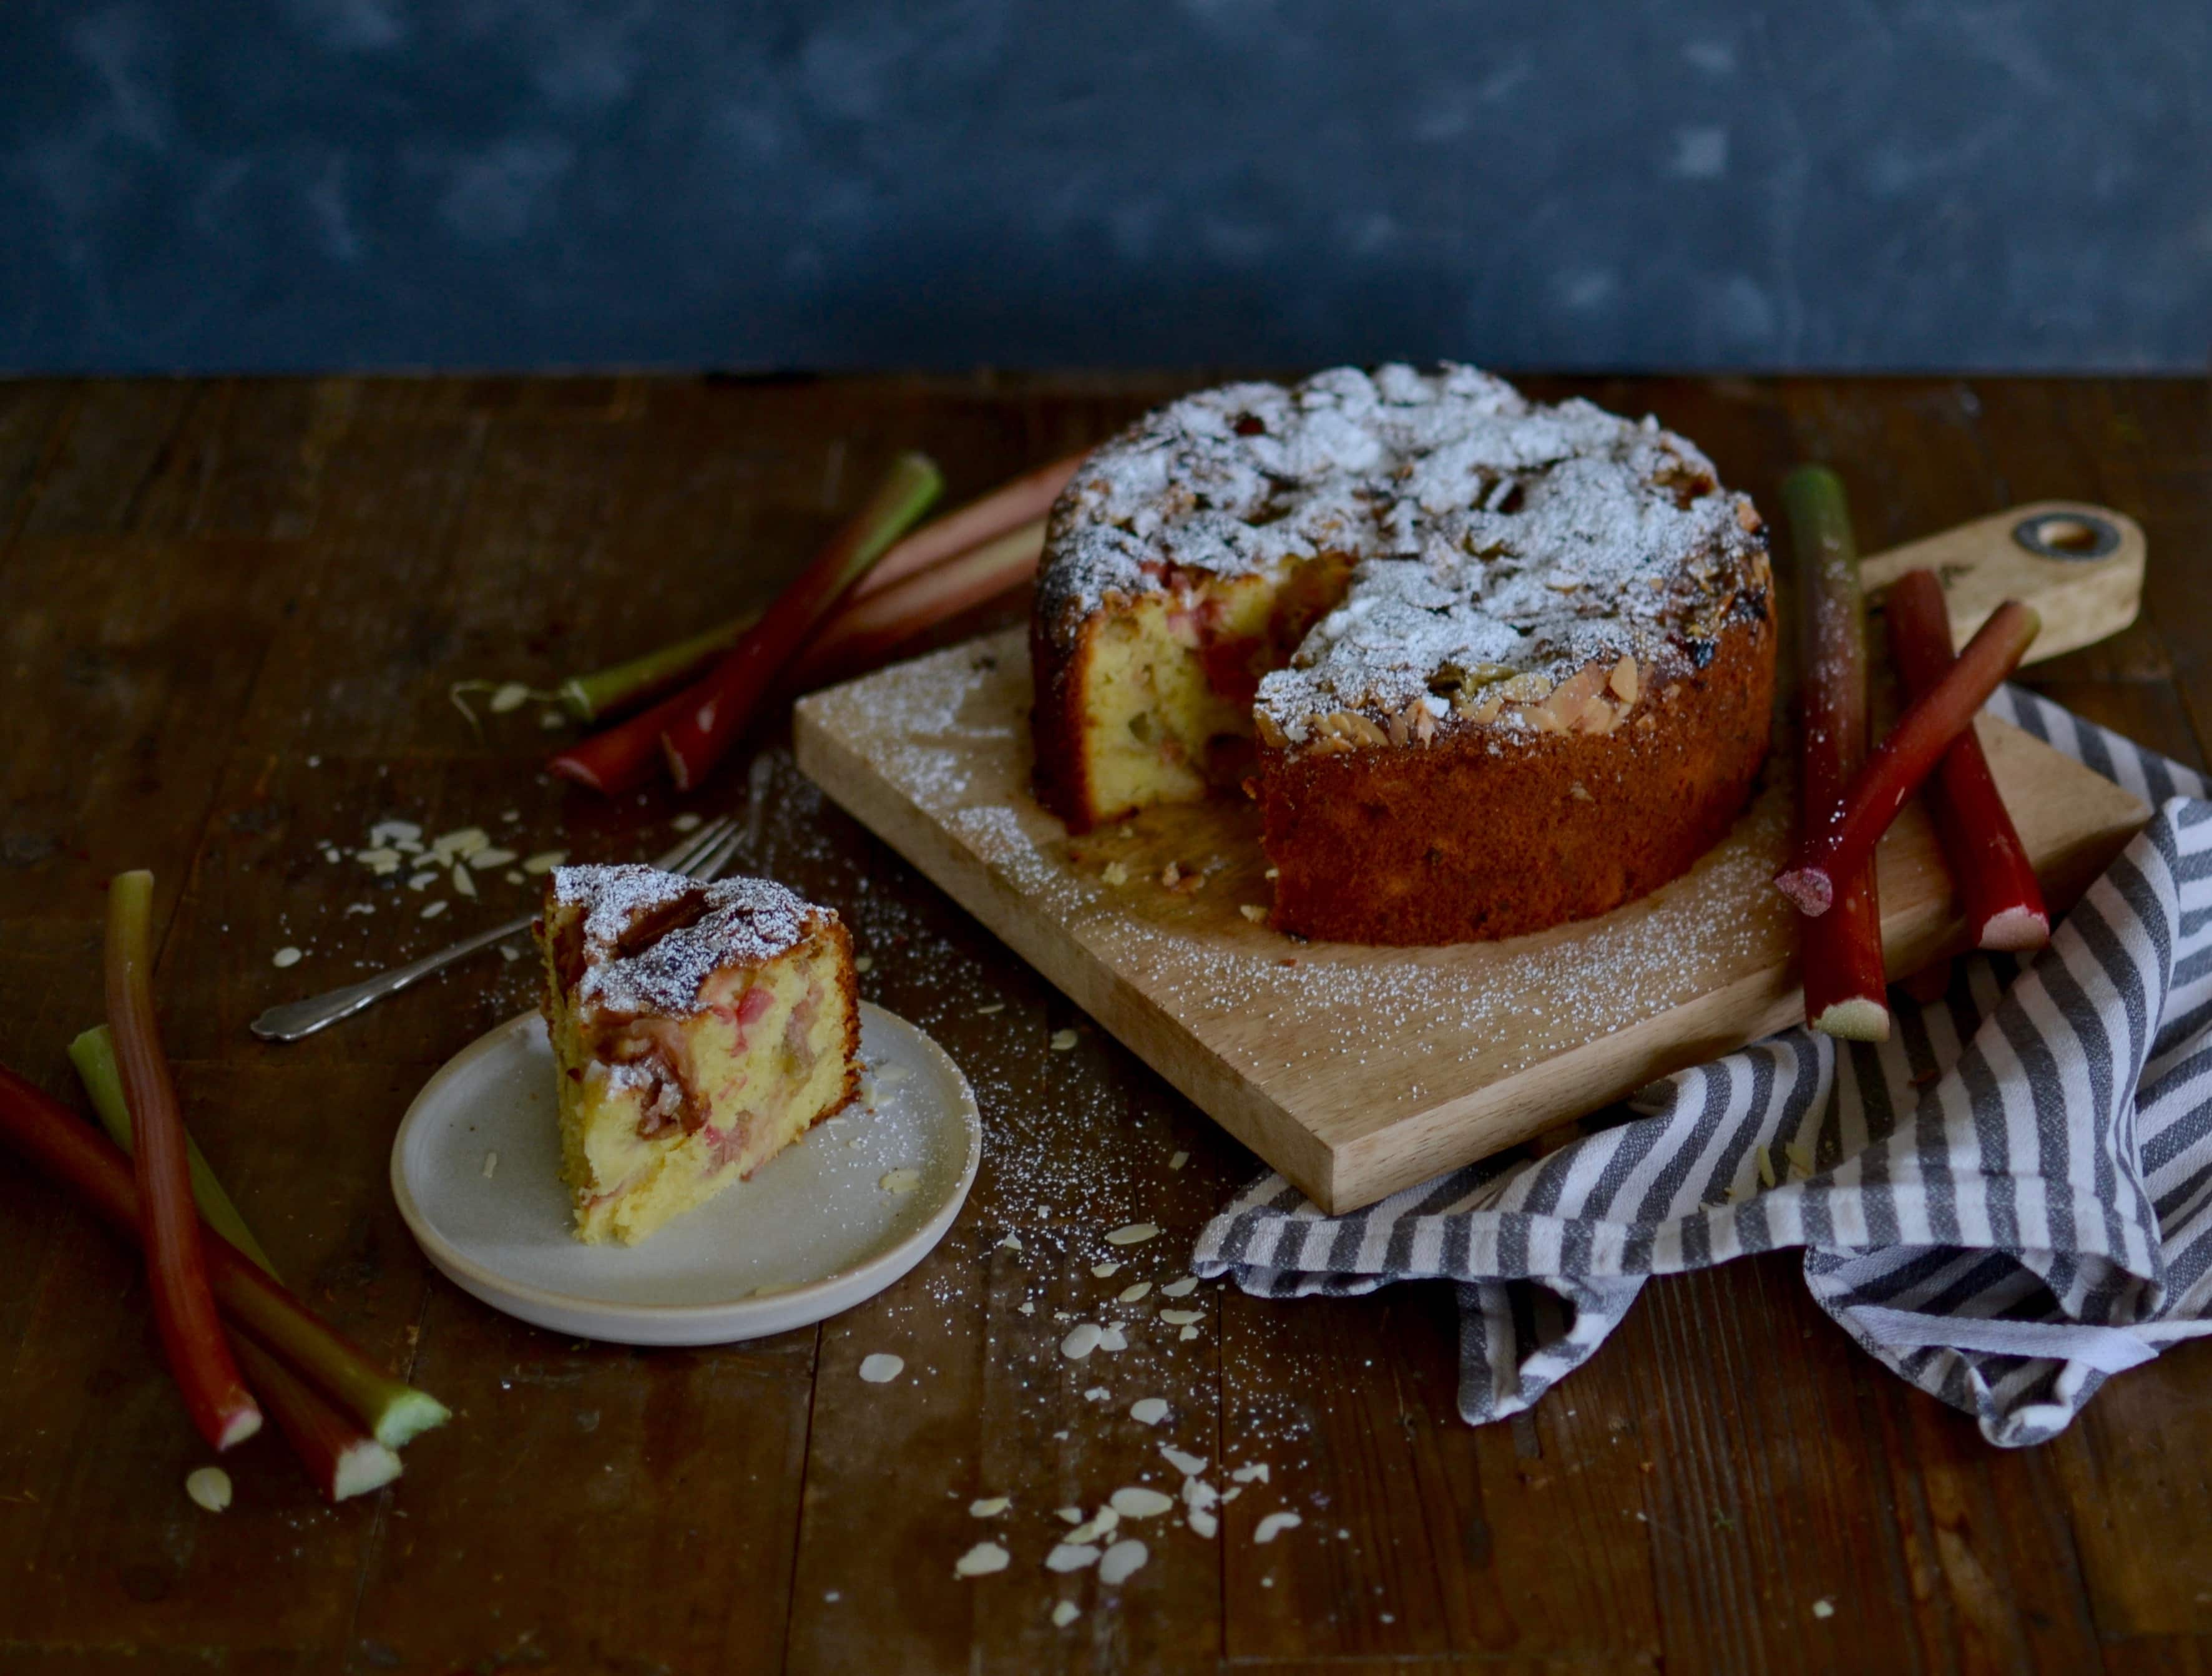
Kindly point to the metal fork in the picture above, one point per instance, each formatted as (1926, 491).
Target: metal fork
(702, 855)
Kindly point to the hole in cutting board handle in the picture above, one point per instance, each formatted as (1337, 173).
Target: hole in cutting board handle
(2067, 535)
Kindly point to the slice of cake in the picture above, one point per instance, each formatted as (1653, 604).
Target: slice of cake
(699, 1031)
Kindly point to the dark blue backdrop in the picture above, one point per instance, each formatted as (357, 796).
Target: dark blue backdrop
(316, 184)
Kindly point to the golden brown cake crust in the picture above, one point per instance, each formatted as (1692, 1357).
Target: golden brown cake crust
(848, 999)
(1453, 844)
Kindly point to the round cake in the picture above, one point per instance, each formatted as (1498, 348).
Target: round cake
(1488, 665)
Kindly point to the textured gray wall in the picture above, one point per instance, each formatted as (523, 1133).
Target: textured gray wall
(312, 184)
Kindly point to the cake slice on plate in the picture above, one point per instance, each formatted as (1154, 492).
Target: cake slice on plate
(699, 1031)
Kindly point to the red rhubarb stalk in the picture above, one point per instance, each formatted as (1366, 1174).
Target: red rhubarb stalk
(93, 1053)
(715, 711)
(1988, 864)
(865, 629)
(1840, 953)
(1003, 511)
(51, 1136)
(604, 691)
(705, 717)
(341, 1459)
(176, 1264)
(1906, 758)
(986, 520)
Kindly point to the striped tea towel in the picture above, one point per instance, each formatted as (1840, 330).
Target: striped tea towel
(2006, 1202)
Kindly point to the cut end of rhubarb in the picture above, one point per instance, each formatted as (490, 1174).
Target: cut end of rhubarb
(243, 1423)
(408, 1416)
(1810, 888)
(2015, 930)
(569, 766)
(362, 1467)
(1859, 1019)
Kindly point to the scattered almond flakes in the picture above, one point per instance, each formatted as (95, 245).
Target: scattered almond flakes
(980, 1561)
(510, 695)
(1064, 1614)
(1824, 1607)
(882, 1367)
(1115, 873)
(1134, 1501)
(1132, 1294)
(1179, 1161)
(543, 862)
(1012, 1242)
(1121, 1561)
(422, 881)
(990, 1507)
(1135, 1233)
(1182, 1317)
(900, 1181)
(1171, 875)
(1187, 1334)
(286, 955)
(1148, 1412)
(1255, 1472)
(1253, 912)
(687, 822)
(1190, 1466)
(1063, 1040)
(1201, 1522)
(1070, 1557)
(1113, 1338)
(485, 860)
(432, 910)
(491, 1164)
(864, 962)
(209, 1487)
(1026, 1308)
(464, 885)
(1099, 1524)
(1072, 1515)
(1082, 1341)
(1274, 1525)
(1106, 1271)
(1097, 1394)
(1182, 1287)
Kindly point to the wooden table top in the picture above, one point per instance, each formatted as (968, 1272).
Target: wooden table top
(233, 613)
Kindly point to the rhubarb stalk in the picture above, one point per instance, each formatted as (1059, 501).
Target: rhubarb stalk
(1996, 882)
(176, 1264)
(1906, 758)
(866, 628)
(46, 1132)
(93, 1054)
(341, 1459)
(715, 711)
(987, 521)
(705, 717)
(1840, 953)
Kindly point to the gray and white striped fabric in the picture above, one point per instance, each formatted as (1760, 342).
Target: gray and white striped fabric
(2007, 1202)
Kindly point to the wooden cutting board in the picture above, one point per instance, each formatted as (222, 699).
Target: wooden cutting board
(1358, 1070)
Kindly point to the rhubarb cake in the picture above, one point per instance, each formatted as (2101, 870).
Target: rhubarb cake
(1487, 665)
(699, 1030)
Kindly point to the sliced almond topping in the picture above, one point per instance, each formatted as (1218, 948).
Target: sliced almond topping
(1623, 678)
(1270, 735)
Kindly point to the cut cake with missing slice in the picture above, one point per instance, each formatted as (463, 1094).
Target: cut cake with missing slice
(699, 1030)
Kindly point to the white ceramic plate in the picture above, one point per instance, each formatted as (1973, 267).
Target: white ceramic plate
(814, 1232)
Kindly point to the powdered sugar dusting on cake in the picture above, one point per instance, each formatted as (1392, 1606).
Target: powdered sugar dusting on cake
(743, 922)
(1488, 531)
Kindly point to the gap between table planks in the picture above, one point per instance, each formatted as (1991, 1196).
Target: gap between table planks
(1358, 1070)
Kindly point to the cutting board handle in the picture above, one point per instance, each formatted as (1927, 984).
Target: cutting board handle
(2081, 565)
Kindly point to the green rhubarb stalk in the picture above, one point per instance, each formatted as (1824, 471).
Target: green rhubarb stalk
(622, 686)
(93, 1054)
(48, 1133)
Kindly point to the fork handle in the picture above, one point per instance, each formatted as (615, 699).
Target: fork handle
(295, 1019)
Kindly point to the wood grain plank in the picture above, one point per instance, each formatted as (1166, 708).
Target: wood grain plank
(122, 437)
(589, 1507)
(34, 415)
